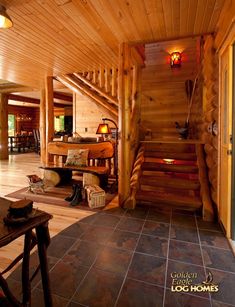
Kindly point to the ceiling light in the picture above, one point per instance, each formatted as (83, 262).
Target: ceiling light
(5, 20)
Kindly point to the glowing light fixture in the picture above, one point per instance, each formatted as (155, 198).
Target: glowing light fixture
(5, 20)
(23, 118)
(175, 59)
(169, 161)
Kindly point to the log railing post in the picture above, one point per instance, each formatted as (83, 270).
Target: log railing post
(43, 127)
(3, 127)
(49, 114)
(114, 82)
(124, 97)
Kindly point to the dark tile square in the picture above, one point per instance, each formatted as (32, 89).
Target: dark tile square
(218, 258)
(186, 234)
(99, 289)
(208, 225)
(183, 220)
(225, 282)
(113, 260)
(158, 215)
(148, 268)
(153, 245)
(173, 299)
(73, 304)
(185, 252)
(106, 220)
(38, 299)
(130, 224)
(138, 294)
(83, 252)
(123, 239)
(219, 304)
(97, 233)
(114, 210)
(75, 230)
(59, 245)
(138, 212)
(65, 278)
(89, 219)
(213, 238)
(156, 229)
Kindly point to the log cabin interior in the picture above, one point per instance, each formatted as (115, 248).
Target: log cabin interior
(161, 74)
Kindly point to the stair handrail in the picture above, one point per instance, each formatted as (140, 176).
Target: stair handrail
(207, 209)
(130, 203)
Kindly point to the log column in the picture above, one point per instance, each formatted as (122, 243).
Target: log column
(3, 127)
(49, 114)
(43, 127)
(124, 111)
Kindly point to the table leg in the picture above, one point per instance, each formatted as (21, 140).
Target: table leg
(26, 287)
(43, 238)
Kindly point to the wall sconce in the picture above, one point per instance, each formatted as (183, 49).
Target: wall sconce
(175, 59)
(5, 20)
(23, 118)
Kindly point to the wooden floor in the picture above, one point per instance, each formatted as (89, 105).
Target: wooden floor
(13, 177)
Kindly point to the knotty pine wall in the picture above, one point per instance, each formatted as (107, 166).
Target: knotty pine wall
(87, 116)
(25, 125)
(164, 99)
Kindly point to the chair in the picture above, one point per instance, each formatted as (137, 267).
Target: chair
(36, 135)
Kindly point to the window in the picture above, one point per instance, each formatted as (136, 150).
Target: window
(59, 123)
(11, 124)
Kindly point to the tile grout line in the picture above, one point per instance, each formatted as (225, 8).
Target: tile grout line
(167, 260)
(125, 277)
(203, 262)
(92, 265)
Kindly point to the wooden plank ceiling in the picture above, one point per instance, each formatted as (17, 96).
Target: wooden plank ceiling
(54, 37)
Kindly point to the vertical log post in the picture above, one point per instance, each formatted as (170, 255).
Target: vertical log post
(3, 127)
(124, 98)
(49, 114)
(114, 82)
(43, 127)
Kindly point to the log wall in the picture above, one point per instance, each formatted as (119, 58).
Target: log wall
(25, 125)
(88, 116)
(164, 99)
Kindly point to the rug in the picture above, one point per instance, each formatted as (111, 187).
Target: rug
(54, 196)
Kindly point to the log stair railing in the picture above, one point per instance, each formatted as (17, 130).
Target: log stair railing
(100, 85)
(172, 174)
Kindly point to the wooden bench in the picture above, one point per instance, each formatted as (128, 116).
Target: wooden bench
(99, 162)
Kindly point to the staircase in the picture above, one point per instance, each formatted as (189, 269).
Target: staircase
(170, 176)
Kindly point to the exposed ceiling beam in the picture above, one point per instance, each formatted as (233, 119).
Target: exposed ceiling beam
(63, 96)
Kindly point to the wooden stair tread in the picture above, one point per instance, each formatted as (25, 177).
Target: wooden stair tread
(171, 155)
(169, 198)
(169, 167)
(176, 183)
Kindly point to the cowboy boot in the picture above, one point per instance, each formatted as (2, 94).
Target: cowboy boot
(77, 197)
(69, 198)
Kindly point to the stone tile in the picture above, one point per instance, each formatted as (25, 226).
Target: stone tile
(17, 286)
(65, 278)
(158, 215)
(183, 220)
(148, 268)
(212, 238)
(38, 299)
(219, 304)
(97, 234)
(123, 239)
(185, 252)
(75, 230)
(175, 267)
(182, 211)
(114, 211)
(83, 252)
(218, 258)
(73, 304)
(138, 294)
(186, 234)
(130, 224)
(138, 212)
(89, 219)
(208, 225)
(156, 229)
(153, 245)
(99, 289)
(106, 220)
(113, 260)
(59, 245)
(226, 282)
(173, 299)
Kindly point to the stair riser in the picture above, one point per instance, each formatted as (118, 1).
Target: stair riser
(170, 147)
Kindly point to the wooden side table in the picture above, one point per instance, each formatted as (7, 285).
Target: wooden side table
(39, 222)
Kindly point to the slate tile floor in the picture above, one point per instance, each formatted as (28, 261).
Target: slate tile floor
(125, 258)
